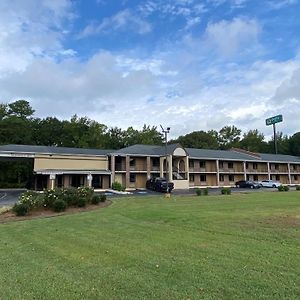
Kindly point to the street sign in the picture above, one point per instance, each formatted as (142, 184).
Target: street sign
(273, 120)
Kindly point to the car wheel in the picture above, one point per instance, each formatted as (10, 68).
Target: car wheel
(237, 185)
(251, 186)
(273, 186)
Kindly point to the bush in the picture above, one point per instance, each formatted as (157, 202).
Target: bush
(205, 191)
(117, 186)
(71, 196)
(32, 199)
(59, 205)
(298, 188)
(226, 191)
(96, 199)
(102, 198)
(21, 209)
(283, 188)
(82, 202)
(198, 192)
(86, 192)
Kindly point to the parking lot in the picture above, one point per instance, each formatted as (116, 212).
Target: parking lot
(10, 196)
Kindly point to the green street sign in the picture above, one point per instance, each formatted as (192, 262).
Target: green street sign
(273, 120)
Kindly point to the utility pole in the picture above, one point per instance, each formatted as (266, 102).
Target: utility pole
(273, 121)
(166, 142)
(275, 138)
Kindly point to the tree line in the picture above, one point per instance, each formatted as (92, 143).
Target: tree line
(19, 126)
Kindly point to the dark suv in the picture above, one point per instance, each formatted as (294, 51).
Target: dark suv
(159, 184)
(247, 184)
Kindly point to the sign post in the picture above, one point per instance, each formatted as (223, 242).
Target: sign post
(273, 121)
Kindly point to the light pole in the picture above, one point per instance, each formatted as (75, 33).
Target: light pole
(166, 142)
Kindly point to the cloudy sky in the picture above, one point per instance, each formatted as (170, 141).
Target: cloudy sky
(187, 64)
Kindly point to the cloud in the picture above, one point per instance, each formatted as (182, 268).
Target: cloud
(122, 21)
(229, 36)
(278, 4)
(289, 90)
(30, 29)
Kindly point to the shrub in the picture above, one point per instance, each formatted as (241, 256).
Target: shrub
(298, 188)
(117, 186)
(198, 192)
(102, 198)
(95, 199)
(86, 192)
(21, 209)
(50, 196)
(59, 205)
(32, 199)
(82, 202)
(226, 191)
(205, 191)
(71, 196)
(283, 188)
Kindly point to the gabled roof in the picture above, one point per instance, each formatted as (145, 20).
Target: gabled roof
(33, 149)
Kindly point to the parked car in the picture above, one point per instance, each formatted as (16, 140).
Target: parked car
(270, 183)
(159, 184)
(247, 184)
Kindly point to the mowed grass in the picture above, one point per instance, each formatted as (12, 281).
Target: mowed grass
(242, 246)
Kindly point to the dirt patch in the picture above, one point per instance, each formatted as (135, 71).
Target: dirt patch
(11, 217)
(283, 221)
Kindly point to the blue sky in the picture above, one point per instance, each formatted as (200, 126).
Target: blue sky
(187, 64)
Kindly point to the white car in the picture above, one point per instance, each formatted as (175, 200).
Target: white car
(270, 183)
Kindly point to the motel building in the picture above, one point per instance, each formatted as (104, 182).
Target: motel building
(132, 166)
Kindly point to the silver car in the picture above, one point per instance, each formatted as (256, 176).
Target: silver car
(270, 183)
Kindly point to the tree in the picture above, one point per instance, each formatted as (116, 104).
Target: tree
(21, 109)
(253, 141)
(3, 111)
(229, 136)
(283, 143)
(295, 144)
(199, 139)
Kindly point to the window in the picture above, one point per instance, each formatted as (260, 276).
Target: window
(155, 162)
(255, 177)
(220, 164)
(132, 162)
(221, 177)
(277, 177)
(132, 178)
(255, 166)
(202, 164)
(247, 166)
(192, 178)
(230, 165)
(276, 166)
(203, 178)
(296, 177)
(231, 177)
(191, 163)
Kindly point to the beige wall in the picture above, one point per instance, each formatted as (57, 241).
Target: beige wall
(181, 184)
(60, 162)
(120, 178)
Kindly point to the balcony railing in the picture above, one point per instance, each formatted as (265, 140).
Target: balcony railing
(136, 167)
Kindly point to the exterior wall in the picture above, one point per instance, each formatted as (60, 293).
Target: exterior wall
(227, 181)
(140, 181)
(59, 162)
(226, 168)
(105, 182)
(256, 167)
(180, 184)
(120, 178)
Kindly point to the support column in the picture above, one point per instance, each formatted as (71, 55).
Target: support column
(148, 164)
(113, 168)
(52, 178)
(170, 169)
(187, 171)
(218, 172)
(161, 166)
(269, 175)
(89, 179)
(127, 169)
(245, 170)
(289, 170)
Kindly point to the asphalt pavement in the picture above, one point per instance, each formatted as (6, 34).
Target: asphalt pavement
(10, 197)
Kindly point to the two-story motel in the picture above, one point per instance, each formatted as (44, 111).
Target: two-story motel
(132, 166)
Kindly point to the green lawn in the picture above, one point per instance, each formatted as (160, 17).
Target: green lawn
(243, 246)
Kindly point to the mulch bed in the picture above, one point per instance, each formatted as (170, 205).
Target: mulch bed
(11, 217)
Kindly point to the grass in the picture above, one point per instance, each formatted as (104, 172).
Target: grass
(242, 246)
